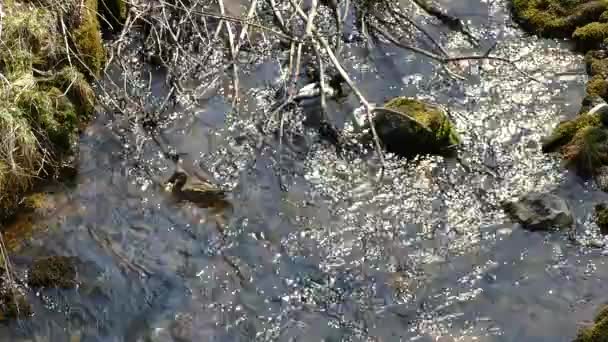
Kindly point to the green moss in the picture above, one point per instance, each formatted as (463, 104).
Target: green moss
(87, 40)
(587, 151)
(52, 113)
(54, 271)
(432, 117)
(598, 332)
(30, 39)
(596, 62)
(592, 33)
(601, 218)
(597, 86)
(20, 154)
(561, 18)
(566, 130)
(75, 85)
(421, 129)
(47, 99)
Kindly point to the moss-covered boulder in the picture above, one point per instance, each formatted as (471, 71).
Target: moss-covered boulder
(411, 127)
(53, 271)
(13, 304)
(597, 86)
(601, 218)
(582, 142)
(576, 19)
(598, 332)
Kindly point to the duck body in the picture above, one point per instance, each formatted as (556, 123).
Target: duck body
(199, 192)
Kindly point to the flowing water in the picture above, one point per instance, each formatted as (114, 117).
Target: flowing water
(313, 248)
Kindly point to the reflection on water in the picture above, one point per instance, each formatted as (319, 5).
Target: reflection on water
(313, 248)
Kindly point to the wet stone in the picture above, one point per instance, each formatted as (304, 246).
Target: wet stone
(181, 328)
(412, 128)
(53, 271)
(601, 178)
(540, 211)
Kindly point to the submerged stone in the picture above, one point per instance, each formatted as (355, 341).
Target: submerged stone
(413, 127)
(540, 211)
(53, 271)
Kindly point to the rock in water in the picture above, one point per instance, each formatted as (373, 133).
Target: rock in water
(601, 218)
(53, 271)
(540, 211)
(412, 127)
(601, 178)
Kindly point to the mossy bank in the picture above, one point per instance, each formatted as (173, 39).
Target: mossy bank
(583, 140)
(51, 54)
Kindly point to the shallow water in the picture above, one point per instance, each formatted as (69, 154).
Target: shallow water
(313, 248)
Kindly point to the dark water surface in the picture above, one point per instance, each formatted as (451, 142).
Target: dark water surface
(427, 255)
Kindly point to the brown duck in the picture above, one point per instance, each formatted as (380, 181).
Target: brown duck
(195, 190)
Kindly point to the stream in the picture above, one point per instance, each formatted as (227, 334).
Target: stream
(313, 248)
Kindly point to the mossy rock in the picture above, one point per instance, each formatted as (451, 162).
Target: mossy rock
(566, 130)
(598, 332)
(597, 87)
(601, 219)
(576, 19)
(591, 34)
(587, 151)
(53, 271)
(13, 305)
(413, 127)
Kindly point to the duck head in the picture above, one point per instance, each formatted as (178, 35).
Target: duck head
(177, 180)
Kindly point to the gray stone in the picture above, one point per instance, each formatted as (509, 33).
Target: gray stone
(540, 211)
(601, 178)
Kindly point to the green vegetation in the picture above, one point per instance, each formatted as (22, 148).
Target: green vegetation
(587, 151)
(54, 271)
(598, 332)
(601, 219)
(421, 129)
(44, 93)
(576, 19)
(87, 40)
(566, 130)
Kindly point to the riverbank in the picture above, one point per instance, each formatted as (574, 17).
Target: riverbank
(583, 140)
(51, 55)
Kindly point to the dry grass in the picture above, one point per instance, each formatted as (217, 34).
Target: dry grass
(42, 96)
